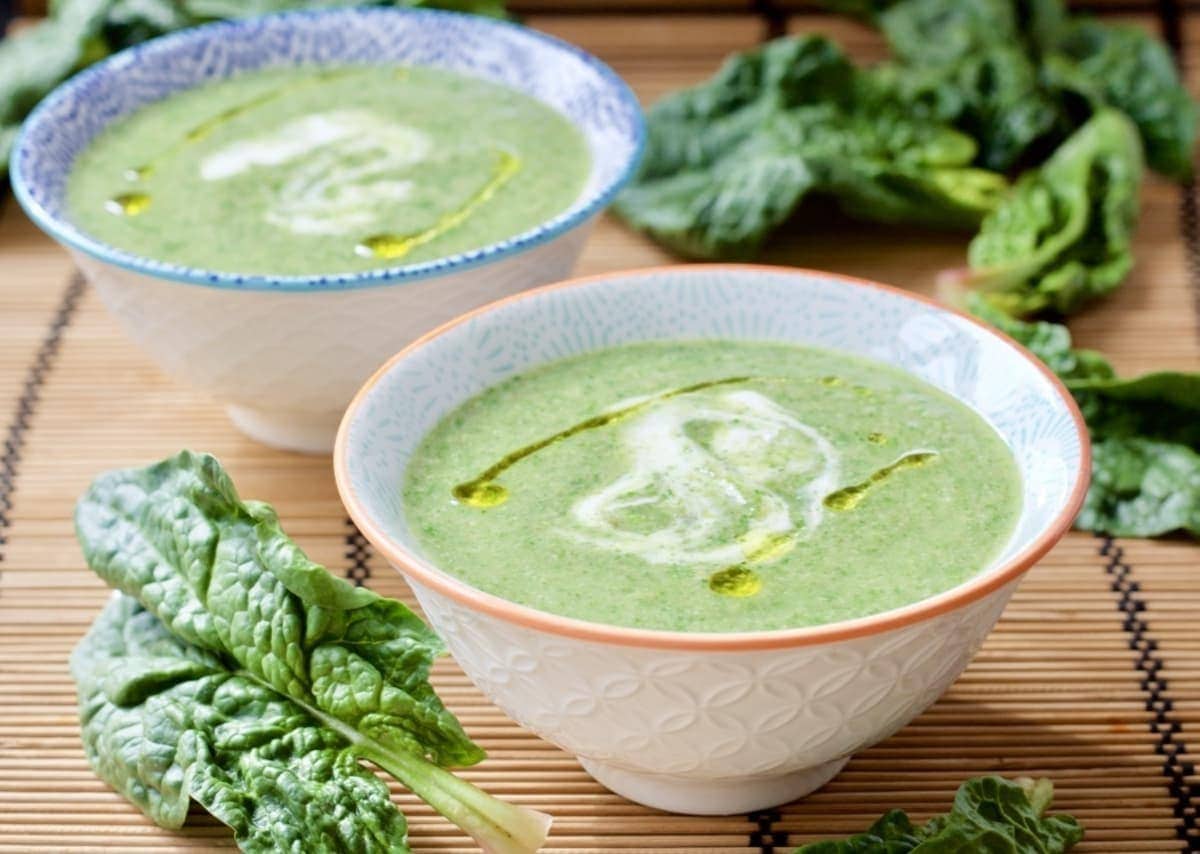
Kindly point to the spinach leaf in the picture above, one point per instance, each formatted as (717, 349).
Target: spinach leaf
(165, 721)
(1163, 405)
(1064, 234)
(1020, 75)
(729, 161)
(32, 63)
(972, 64)
(1145, 433)
(1129, 69)
(79, 32)
(994, 95)
(989, 814)
(1142, 488)
(243, 603)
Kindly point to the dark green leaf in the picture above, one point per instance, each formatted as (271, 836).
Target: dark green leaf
(1142, 488)
(1128, 68)
(235, 593)
(1020, 75)
(971, 64)
(993, 95)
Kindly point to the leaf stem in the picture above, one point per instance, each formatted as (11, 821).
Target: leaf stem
(499, 827)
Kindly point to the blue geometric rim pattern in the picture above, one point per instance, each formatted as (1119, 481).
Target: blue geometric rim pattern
(580, 86)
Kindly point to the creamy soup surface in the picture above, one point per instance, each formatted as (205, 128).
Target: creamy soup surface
(297, 171)
(714, 486)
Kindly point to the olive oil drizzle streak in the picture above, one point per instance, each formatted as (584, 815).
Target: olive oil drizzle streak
(484, 492)
(849, 497)
(393, 246)
(132, 204)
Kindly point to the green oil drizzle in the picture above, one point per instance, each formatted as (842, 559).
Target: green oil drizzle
(769, 547)
(483, 491)
(737, 581)
(851, 496)
(830, 382)
(127, 204)
(740, 580)
(877, 438)
(392, 246)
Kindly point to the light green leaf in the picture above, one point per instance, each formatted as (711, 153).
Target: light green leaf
(259, 763)
(1063, 236)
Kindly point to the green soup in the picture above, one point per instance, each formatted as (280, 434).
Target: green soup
(712, 486)
(296, 171)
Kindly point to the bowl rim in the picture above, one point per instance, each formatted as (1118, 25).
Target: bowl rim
(65, 232)
(956, 597)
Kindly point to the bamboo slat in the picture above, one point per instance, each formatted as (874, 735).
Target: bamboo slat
(1092, 677)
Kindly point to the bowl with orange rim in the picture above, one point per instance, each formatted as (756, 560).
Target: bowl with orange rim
(713, 722)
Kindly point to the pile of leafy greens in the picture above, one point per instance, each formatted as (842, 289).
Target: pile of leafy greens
(1145, 433)
(728, 162)
(990, 814)
(233, 671)
(975, 90)
(79, 32)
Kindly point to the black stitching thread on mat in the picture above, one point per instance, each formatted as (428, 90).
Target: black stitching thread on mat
(31, 392)
(775, 18)
(765, 837)
(358, 551)
(1149, 663)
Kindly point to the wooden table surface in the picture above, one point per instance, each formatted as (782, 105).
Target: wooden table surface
(1091, 678)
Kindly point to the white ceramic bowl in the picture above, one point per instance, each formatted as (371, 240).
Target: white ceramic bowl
(713, 723)
(287, 353)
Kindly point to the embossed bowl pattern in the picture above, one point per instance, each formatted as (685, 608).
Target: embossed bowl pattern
(287, 352)
(700, 722)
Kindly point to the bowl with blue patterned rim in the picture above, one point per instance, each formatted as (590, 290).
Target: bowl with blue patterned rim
(285, 353)
(701, 722)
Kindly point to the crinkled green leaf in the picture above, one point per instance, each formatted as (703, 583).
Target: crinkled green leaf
(1020, 75)
(727, 162)
(1128, 68)
(1063, 236)
(1142, 488)
(222, 575)
(993, 94)
(193, 730)
(234, 593)
(990, 814)
(973, 64)
(1145, 433)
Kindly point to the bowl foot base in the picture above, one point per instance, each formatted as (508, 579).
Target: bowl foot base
(711, 797)
(288, 431)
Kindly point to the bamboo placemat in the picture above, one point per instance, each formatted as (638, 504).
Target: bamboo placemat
(1092, 676)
